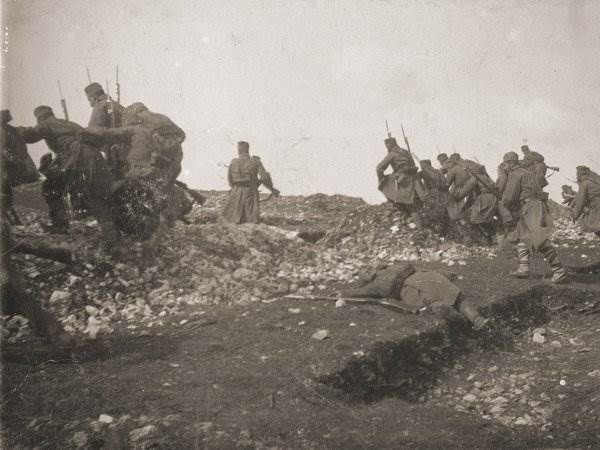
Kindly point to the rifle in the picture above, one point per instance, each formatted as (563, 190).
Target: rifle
(408, 145)
(387, 128)
(111, 107)
(118, 86)
(63, 102)
(362, 301)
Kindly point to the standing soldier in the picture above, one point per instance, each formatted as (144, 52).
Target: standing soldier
(524, 195)
(402, 187)
(75, 163)
(434, 208)
(17, 166)
(245, 174)
(106, 113)
(587, 201)
(535, 162)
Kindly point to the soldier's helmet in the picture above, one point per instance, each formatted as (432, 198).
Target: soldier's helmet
(6, 116)
(43, 112)
(390, 143)
(510, 156)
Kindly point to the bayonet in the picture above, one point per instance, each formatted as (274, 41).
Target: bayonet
(63, 102)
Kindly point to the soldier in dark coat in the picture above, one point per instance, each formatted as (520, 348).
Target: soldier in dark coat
(523, 195)
(17, 166)
(586, 205)
(75, 163)
(402, 187)
(245, 174)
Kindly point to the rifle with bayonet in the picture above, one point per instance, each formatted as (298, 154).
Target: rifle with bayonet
(63, 101)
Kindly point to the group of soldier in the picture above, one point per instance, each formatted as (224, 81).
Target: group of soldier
(122, 170)
(515, 205)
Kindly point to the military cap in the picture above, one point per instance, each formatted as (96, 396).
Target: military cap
(243, 146)
(425, 162)
(582, 170)
(525, 148)
(455, 157)
(6, 116)
(137, 107)
(390, 142)
(41, 112)
(510, 156)
(94, 89)
(442, 158)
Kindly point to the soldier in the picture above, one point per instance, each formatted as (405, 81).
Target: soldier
(415, 290)
(402, 187)
(17, 166)
(164, 131)
(106, 113)
(587, 202)
(245, 174)
(461, 186)
(524, 195)
(434, 207)
(75, 163)
(141, 196)
(534, 161)
(568, 195)
(503, 168)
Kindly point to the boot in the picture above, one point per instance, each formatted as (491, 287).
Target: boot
(523, 257)
(472, 314)
(559, 273)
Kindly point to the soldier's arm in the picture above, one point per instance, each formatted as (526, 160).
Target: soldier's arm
(502, 178)
(579, 202)
(383, 165)
(31, 135)
(230, 175)
(109, 135)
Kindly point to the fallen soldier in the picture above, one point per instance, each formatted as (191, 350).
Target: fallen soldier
(415, 290)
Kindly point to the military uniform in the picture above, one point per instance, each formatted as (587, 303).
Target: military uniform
(587, 202)
(75, 163)
(245, 174)
(106, 113)
(416, 290)
(403, 187)
(523, 194)
(16, 166)
(535, 163)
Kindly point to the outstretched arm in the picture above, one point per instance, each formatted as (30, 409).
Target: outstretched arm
(31, 135)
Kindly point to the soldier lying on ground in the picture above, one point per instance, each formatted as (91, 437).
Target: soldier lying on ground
(416, 289)
(245, 174)
(587, 202)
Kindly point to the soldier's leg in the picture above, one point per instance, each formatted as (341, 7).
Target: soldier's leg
(523, 253)
(471, 312)
(559, 273)
(53, 191)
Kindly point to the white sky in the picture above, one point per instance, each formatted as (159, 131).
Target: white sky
(310, 83)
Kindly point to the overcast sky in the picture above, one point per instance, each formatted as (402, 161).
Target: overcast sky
(310, 83)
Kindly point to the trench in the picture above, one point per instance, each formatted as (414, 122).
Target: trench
(412, 367)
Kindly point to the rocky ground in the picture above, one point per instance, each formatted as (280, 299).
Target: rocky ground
(199, 351)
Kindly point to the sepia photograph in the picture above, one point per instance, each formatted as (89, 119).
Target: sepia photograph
(300, 224)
